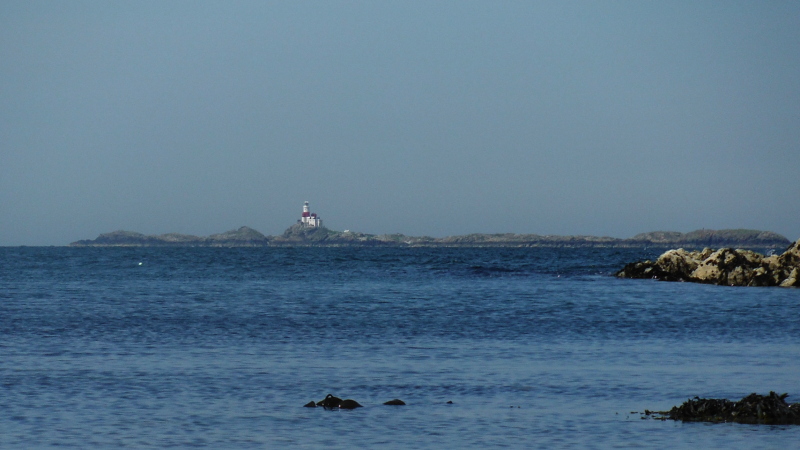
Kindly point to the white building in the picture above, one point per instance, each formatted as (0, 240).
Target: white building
(309, 219)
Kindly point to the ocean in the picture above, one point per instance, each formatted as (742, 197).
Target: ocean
(488, 347)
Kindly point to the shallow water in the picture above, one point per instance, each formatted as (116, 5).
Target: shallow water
(222, 347)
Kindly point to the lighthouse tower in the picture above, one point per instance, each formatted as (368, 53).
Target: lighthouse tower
(309, 219)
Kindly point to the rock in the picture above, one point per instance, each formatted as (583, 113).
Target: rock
(728, 267)
(754, 409)
(791, 280)
(396, 401)
(349, 404)
(725, 266)
(673, 264)
(330, 401)
(789, 266)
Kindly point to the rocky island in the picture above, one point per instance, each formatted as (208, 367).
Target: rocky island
(310, 231)
(243, 237)
(319, 236)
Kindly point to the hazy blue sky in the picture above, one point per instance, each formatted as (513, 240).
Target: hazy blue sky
(425, 118)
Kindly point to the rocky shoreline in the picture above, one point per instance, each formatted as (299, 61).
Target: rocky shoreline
(726, 266)
(299, 236)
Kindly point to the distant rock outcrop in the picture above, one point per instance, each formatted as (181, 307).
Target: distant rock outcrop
(737, 238)
(243, 237)
(299, 233)
(130, 239)
(726, 266)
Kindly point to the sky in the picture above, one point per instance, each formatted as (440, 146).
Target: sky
(432, 118)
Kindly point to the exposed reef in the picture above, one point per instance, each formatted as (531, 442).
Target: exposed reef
(298, 235)
(331, 401)
(769, 409)
(726, 266)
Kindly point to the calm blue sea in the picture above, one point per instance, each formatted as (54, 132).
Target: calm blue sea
(221, 348)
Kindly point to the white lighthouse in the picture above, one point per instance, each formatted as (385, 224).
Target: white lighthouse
(309, 219)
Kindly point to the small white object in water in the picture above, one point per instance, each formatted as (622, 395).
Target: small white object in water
(140, 264)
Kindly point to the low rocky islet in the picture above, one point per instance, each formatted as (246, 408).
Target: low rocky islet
(769, 409)
(331, 401)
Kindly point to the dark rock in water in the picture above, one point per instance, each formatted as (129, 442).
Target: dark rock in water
(725, 266)
(310, 404)
(769, 409)
(330, 401)
(396, 401)
(349, 404)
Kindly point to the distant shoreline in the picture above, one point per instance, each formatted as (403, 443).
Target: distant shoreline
(299, 236)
